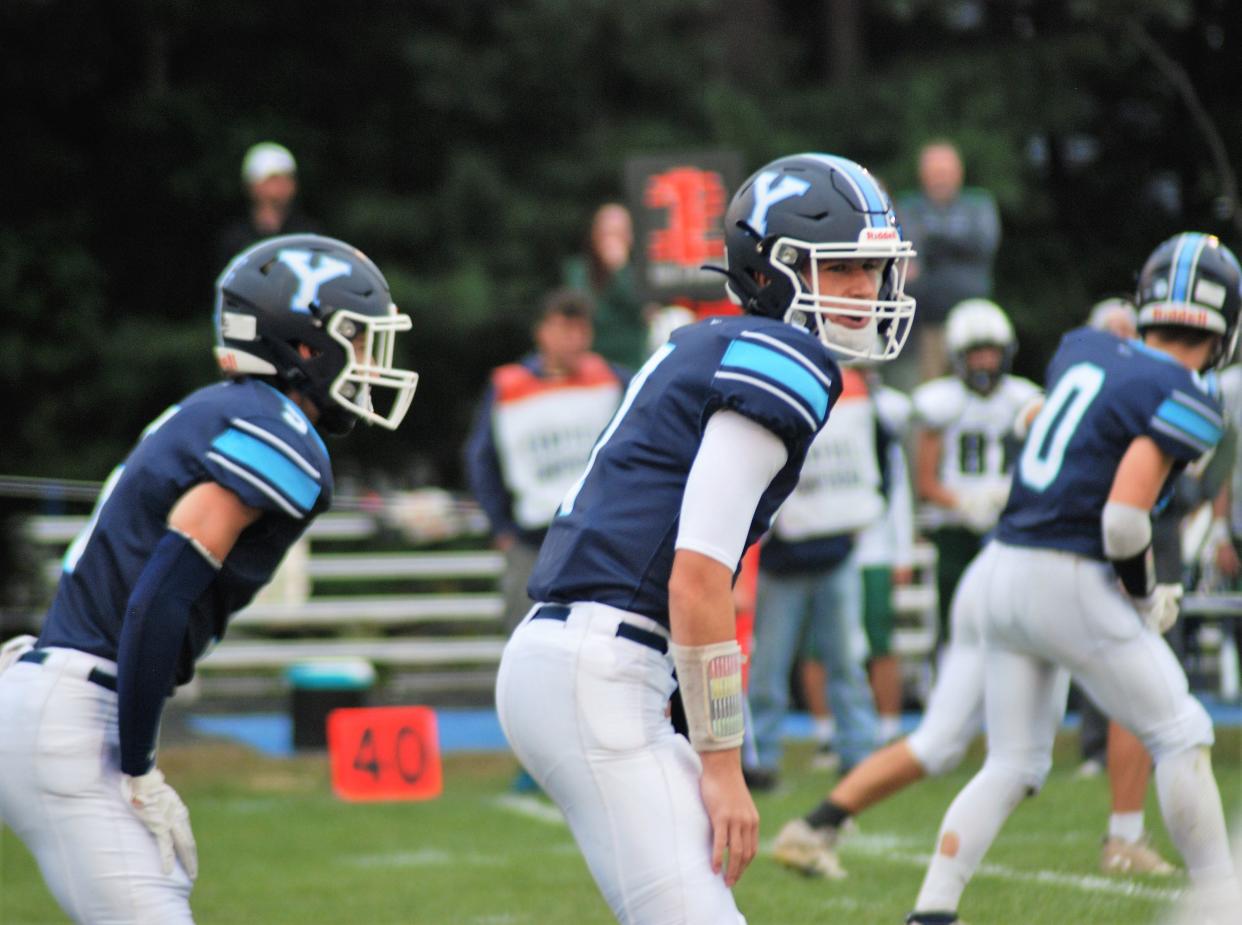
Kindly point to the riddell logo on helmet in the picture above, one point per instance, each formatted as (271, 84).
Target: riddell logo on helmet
(879, 234)
(1180, 314)
(227, 361)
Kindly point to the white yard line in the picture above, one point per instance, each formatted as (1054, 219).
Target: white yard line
(888, 847)
(530, 807)
(893, 847)
(425, 857)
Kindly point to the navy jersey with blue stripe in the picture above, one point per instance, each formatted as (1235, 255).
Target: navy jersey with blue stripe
(612, 541)
(244, 435)
(1103, 392)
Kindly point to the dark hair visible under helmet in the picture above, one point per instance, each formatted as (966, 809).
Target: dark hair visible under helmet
(1192, 281)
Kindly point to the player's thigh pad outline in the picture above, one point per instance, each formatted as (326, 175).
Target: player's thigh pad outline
(60, 792)
(1024, 700)
(1068, 609)
(1135, 678)
(584, 712)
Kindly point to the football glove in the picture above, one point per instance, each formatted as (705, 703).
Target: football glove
(1159, 609)
(161, 811)
(982, 508)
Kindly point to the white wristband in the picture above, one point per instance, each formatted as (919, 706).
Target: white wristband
(710, 678)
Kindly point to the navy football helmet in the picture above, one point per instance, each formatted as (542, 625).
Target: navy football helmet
(310, 290)
(1192, 281)
(805, 209)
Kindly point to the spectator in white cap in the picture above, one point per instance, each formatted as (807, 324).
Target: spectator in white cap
(269, 175)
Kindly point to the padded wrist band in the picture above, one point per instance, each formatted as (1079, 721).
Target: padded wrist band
(711, 691)
(1127, 543)
(1137, 573)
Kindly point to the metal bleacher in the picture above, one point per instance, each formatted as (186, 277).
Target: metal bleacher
(426, 617)
(429, 618)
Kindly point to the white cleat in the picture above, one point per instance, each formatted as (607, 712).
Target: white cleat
(809, 851)
(1121, 857)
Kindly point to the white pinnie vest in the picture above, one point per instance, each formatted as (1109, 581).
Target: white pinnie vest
(840, 489)
(544, 430)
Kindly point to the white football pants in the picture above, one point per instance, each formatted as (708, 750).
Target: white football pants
(1050, 613)
(954, 713)
(60, 791)
(584, 711)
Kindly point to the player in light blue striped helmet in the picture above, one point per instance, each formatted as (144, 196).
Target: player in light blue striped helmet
(1192, 281)
(798, 217)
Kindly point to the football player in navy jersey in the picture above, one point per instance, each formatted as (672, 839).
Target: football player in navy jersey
(635, 576)
(1068, 586)
(185, 532)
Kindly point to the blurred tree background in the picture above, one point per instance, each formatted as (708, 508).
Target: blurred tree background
(464, 143)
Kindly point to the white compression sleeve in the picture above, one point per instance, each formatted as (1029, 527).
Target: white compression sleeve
(736, 461)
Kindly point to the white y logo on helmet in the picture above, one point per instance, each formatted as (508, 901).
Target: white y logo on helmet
(310, 278)
(766, 196)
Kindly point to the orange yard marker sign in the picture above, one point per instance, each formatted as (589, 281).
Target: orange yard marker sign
(385, 753)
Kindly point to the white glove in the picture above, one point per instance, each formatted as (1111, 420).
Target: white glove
(14, 649)
(1159, 609)
(981, 509)
(162, 811)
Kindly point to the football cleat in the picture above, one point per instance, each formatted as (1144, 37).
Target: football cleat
(809, 851)
(825, 759)
(1119, 856)
(1090, 768)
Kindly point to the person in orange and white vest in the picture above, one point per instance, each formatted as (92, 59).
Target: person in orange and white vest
(533, 433)
(810, 584)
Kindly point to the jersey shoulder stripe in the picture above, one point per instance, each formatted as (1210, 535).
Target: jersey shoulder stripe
(783, 373)
(270, 460)
(778, 344)
(1184, 418)
(258, 483)
(297, 458)
(773, 390)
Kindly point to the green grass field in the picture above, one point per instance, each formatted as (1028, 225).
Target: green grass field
(276, 847)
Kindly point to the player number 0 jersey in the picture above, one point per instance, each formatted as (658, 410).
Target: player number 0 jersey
(1103, 392)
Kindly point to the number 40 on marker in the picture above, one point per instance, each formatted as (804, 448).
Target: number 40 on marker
(384, 753)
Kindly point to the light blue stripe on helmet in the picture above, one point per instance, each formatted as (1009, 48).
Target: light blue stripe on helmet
(873, 199)
(780, 369)
(270, 464)
(1189, 421)
(1188, 250)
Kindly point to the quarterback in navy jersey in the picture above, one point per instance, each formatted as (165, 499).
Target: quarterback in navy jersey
(185, 532)
(1068, 586)
(635, 576)
(613, 539)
